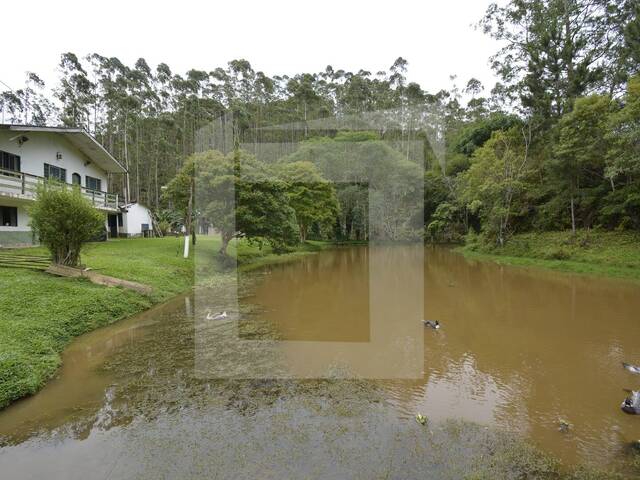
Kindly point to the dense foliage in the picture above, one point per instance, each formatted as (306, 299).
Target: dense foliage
(237, 195)
(311, 197)
(554, 145)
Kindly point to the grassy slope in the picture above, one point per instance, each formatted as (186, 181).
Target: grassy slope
(40, 313)
(614, 254)
(252, 257)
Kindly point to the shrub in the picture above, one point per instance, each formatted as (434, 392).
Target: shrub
(473, 241)
(168, 220)
(164, 227)
(63, 219)
(557, 253)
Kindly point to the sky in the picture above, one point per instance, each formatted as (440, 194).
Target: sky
(437, 37)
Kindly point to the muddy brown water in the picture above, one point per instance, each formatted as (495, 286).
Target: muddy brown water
(519, 349)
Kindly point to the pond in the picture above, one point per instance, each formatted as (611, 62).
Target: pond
(166, 394)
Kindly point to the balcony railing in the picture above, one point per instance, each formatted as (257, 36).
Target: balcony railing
(26, 185)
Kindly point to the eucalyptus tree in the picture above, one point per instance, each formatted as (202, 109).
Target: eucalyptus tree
(145, 107)
(75, 91)
(29, 104)
(305, 100)
(11, 106)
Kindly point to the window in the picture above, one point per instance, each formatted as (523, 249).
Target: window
(9, 161)
(92, 183)
(9, 216)
(51, 171)
(76, 179)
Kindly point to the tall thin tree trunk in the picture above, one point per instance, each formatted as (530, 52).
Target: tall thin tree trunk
(156, 172)
(156, 182)
(137, 162)
(573, 217)
(126, 162)
(187, 221)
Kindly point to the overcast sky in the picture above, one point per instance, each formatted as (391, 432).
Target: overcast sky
(277, 37)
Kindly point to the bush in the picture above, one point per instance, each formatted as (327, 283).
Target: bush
(473, 241)
(63, 219)
(557, 253)
(164, 227)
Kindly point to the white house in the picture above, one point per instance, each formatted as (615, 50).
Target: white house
(135, 220)
(30, 154)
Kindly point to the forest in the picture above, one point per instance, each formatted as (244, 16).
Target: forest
(554, 145)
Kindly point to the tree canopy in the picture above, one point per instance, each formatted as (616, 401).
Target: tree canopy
(553, 145)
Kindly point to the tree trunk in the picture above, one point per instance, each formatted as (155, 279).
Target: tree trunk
(573, 217)
(569, 52)
(126, 162)
(188, 227)
(137, 162)
(226, 238)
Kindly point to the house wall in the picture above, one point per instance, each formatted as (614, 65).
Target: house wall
(134, 218)
(42, 148)
(20, 235)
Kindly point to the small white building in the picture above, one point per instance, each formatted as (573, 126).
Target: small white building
(31, 154)
(135, 221)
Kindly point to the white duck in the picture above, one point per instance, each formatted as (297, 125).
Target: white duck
(217, 316)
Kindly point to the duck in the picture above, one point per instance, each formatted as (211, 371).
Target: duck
(430, 323)
(631, 368)
(631, 404)
(563, 426)
(217, 316)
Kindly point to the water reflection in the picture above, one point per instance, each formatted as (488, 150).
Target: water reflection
(547, 345)
(313, 309)
(518, 349)
(349, 313)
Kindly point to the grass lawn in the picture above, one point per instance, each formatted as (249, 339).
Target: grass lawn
(40, 313)
(612, 254)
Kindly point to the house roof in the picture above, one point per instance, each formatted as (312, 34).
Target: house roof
(80, 139)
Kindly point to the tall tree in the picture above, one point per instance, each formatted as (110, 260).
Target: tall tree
(578, 162)
(75, 91)
(495, 184)
(554, 51)
(311, 196)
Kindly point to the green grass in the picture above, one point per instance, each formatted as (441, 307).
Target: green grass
(251, 257)
(612, 254)
(40, 313)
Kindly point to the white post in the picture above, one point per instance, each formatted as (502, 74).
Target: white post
(186, 241)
